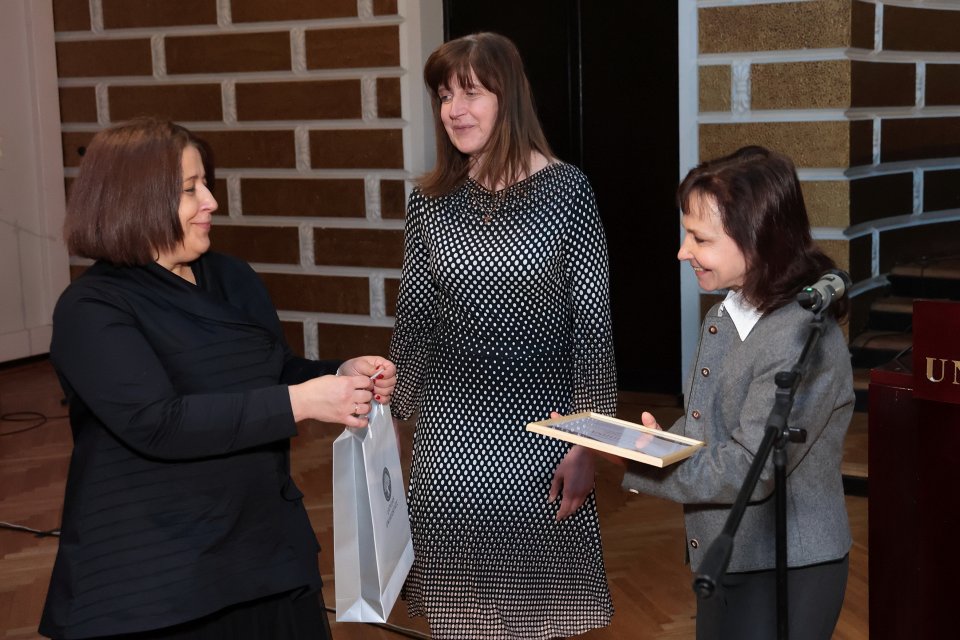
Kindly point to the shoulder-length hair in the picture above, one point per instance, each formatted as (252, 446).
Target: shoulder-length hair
(124, 204)
(760, 204)
(517, 133)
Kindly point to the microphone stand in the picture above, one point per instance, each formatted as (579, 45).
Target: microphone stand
(775, 437)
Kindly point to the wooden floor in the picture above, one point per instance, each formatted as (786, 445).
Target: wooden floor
(642, 536)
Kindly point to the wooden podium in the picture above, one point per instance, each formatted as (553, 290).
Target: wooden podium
(914, 482)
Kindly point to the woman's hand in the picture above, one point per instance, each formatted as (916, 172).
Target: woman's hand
(383, 383)
(344, 399)
(574, 477)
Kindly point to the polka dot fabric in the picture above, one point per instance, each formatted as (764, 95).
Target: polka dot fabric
(503, 315)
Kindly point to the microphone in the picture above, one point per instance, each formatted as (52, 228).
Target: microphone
(828, 289)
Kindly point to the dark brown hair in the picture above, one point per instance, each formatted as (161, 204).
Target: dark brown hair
(496, 63)
(124, 204)
(758, 196)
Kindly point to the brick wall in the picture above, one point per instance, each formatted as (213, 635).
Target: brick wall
(302, 102)
(864, 95)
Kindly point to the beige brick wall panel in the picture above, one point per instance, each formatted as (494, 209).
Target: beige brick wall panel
(318, 294)
(353, 48)
(384, 7)
(828, 202)
(260, 149)
(342, 342)
(771, 27)
(941, 190)
(273, 245)
(715, 88)
(943, 84)
(78, 104)
(124, 14)
(883, 85)
(303, 197)
(915, 29)
(388, 98)
(92, 58)
(907, 243)
(919, 138)
(381, 248)
(809, 144)
(178, 102)
(391, 290)
(293, 334)
(305, 100)
(71, 15)
(863, 17)
(880, 197)
(392, 199)
(800, 85)
(861, 142)
(228, 53)
(284, 10)
(839, 250)
(357, 149)
(74, 146)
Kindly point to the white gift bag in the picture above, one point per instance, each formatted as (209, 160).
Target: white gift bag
(372, 550)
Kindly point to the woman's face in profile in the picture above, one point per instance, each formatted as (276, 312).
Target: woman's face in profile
(469, 114)
(197, 205)
(716, 259)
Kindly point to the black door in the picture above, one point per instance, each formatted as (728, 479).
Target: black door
(604, 75)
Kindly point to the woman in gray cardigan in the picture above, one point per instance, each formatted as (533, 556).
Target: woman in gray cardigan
(747, 232)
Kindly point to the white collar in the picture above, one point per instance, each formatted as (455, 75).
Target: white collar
(743, 314)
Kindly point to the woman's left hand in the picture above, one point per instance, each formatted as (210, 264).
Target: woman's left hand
(383, 384)
(574, 477)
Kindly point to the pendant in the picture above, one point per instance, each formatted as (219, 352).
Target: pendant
(487, 218)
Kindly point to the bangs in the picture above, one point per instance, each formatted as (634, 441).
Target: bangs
(464, 65)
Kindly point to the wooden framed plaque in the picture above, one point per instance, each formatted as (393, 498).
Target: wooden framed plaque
(619, 437)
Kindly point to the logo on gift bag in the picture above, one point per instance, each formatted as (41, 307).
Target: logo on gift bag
(387, 489)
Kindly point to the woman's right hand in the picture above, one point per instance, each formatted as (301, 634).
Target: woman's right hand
(341, 399)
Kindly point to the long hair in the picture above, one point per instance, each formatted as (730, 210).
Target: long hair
(124, 204)
(517, 133)
(757, 193)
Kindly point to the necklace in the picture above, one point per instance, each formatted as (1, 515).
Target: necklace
(488, 202)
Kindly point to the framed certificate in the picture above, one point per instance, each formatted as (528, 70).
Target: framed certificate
(619, 437)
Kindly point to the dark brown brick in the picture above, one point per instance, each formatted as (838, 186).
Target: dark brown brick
(919, 138)
(303, 197)
(861, 142)
(356, 149)
(392, 199)
(91, 58)
(220, 193)
(391, 289)
(342, 342)
(381, 248)
(882, 85)
(943, 84)
(907, 243)
(861, 27)
(352, 48)
(261, 149)
(318, 294)
(71, 15)
(293, 334)
(283, 10)
(185, 102)
(384, 7)
(277, 245)
(388, 98)
(880, 197)
(74, 146)
(232, 52)
(123, 14)
(941, 190)
(78, 104)
(860, 265)
(303, 100)
(915, 29)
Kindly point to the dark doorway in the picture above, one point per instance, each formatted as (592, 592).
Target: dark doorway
(604, 75)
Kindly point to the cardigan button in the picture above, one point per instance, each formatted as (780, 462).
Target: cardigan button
(705, 372)
(695, 543)
(695, 414)
(712, 328)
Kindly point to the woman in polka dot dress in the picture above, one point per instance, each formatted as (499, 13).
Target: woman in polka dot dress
(503, 316)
